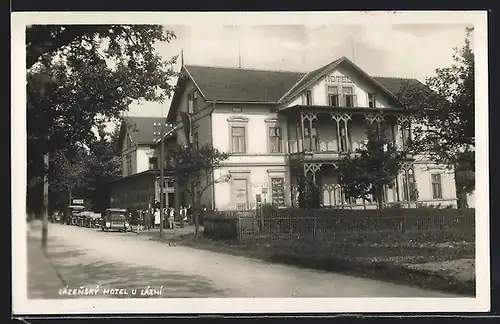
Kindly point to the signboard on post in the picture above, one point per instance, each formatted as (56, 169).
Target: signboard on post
(77, 201)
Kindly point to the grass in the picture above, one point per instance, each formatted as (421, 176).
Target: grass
(391, 261)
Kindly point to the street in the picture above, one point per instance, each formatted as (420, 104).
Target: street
(88, 257)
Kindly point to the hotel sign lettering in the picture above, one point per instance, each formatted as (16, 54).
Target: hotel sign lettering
(338, 79)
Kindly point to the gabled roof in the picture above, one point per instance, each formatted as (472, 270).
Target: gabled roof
(315, 75)
(140, 129)
(263, 86)
(242, 85)
(309, 78)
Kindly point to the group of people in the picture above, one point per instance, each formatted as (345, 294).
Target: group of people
(148, 219)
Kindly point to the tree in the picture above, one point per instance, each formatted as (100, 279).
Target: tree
(104, 166)
(372, 167)
(443, 115)
(68, 173)
(81, 76)
(193, 170)
(309, 192)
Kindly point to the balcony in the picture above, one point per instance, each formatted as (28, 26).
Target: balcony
(322, 137)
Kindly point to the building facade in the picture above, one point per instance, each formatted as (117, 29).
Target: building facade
(275, 124)
(139, 186)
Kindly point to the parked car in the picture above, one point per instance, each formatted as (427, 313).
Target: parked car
(116, 220)
(56, 217)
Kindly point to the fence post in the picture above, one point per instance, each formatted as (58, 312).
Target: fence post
(315, 223)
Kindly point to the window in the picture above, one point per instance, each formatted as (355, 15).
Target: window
(372, 103)
(437, 191)
(333, 96)
(238, 139)
(349, 97)
(343, 139)
(310, 138)
(274, 140)
(190, 103)
(277, 191)
(195, 140)
(308, 96)
(128, 162)
(195, 101)
(153, 163)
(405, 137)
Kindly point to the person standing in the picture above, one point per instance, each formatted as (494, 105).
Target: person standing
(181, 216)
(171, 218)
(189, 214)
(157, 217)
(147, 219)
(140, 219)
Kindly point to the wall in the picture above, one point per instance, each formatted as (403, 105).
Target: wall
(200, 119)
(423, 173)
(201, 126)
(258, 179)
(143, 153)
(132, 191)
(256, 119)
(361, 89)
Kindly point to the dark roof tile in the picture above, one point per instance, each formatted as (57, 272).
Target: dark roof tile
(394, 85)
(231, 84)
(141, 129)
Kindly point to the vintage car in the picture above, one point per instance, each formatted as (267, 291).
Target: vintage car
(56, 217)
(115, 220)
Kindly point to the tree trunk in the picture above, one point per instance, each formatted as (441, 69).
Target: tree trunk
(45, 208)
(196, 223)
(379, 195)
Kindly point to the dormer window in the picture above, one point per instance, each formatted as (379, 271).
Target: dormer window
(195, 101)
(308, 97)
(372, 101)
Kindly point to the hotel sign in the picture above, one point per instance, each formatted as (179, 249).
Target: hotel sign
(77, 201)
(338, 79)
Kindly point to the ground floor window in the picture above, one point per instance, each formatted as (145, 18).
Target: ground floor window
(437, 190)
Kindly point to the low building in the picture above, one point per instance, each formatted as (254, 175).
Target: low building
(277, 123)
(139, 186)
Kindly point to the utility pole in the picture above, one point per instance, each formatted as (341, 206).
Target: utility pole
(161, 163)
(45, 215)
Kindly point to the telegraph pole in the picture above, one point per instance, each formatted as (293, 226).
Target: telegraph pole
(45, 215)
(162, 167)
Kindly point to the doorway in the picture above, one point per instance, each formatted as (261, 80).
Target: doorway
(240, 193)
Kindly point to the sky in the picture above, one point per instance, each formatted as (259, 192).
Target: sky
(398, 50)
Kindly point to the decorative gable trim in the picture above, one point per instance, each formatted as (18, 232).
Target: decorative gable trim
(307, 85)
(195, 84)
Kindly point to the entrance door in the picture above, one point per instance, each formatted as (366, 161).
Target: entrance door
(240, 190)
(170, 199)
